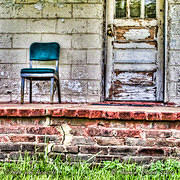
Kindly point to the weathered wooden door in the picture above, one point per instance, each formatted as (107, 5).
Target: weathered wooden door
(134, 67)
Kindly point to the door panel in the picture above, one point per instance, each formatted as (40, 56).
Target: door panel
(134, 50)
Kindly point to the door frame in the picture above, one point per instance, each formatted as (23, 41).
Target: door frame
(109, 17)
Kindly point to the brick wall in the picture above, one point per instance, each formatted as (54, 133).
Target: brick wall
(173, 63)
(78, 133)
(76, 25)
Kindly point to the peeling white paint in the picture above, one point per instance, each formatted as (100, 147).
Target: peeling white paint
(38, 6)
(137, 34)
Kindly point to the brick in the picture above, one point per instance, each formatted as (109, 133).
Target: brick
(176, 134)
(111, 115)
(31, 112)
(95, 131)
(82, 113)
(165, 142)
(138, 142)
(54, 156)
(79, 158)
(138, 125)
(11, 112)
(159, 134)
(63, 40)
(5, 41)
(161, 125)
(102, 158)
(95, 26)
(122, 150)
(109, 141)
(94, 56)
(78, 131)
(81, 140)
(75, 87)
(72, 26)
(27, 11)
(56, 112)
(128, 133)
(173, 60)
(25, 40)
(12, 56)
(65, 149)
(86, 72)
(169, 116)
(61, 11)
(93, 150)
(22, 138)
(33, 147)
(4, 139)
(41, 26)
(5, 12)
(3, 156)
(13, 26)
(86, 41)
(10, 147)
(94, 88)
(15, 155)
(12, 130)
(87, 11)
(137, 160)
(65, 72)
(139, 115)
(96, 114)
(42, 130)
(58, 148)
(49, 139)
(2, 112)
(69, 113)
(151, 152)
(125, 115)
(174, 43)
(72, 149)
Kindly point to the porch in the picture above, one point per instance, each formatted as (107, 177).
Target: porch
(140, 132)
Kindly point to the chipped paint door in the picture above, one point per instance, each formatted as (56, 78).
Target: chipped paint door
(134, 67)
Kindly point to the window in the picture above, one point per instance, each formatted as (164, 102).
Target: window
(135, 9)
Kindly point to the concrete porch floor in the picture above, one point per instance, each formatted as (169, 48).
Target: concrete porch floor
(100, 111)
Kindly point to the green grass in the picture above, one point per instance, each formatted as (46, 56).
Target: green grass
(45, 168)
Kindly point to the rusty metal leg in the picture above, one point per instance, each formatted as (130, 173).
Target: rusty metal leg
(52, 90)
(30, 91)
(22, 90)
(59, 91)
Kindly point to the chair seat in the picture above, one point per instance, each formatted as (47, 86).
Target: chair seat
(37, 70)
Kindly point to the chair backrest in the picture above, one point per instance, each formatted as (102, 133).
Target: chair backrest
(44, 51)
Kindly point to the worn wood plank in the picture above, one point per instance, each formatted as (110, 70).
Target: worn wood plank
(135, 55)
(134, 78)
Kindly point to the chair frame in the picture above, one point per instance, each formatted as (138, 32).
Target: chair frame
(53, 77)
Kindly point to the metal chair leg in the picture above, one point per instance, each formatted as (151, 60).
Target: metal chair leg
(52, 90)
(22, 90)
(30, 91)
(59, 91)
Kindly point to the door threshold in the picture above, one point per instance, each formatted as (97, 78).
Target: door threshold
(131, 103)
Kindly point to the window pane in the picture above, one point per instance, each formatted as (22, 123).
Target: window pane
(120, 8)
(135, 8)
(150, 8)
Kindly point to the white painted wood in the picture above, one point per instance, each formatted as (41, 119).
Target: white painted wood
(142, 8)
(136, 67)
(135, 50)
(135, 56)
(109, 64)
(132, 45)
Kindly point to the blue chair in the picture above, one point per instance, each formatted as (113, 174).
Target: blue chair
(42, 52)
